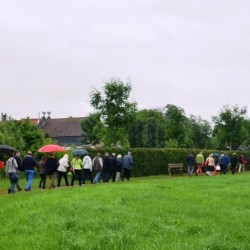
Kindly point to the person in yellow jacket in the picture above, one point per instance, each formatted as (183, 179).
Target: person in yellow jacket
(200, 162)
(76, 165)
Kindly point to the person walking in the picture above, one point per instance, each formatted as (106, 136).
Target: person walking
(62, 170)
(234, 162)
(87, 168)
(127, 166)
(200, 162)
(42, 170)
(1, 167)
(19, 168)
(118, 167)
(242, 162)
(210, 165)
(76, 165)
(112, 166)
(29, 164)
(224, 161)
(97, 166)
(106, 171)
(11, 172)
(190, 163)
(51, 166)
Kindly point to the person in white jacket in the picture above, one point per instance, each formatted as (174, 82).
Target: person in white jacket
(87, 168)
(62, 169)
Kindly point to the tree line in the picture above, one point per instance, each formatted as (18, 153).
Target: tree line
(118, 122)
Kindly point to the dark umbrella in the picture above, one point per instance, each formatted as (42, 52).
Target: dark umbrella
(5, 149)
(79, 151)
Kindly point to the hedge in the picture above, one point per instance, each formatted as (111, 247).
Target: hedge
(154, 161)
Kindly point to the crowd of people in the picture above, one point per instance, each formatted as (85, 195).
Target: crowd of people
(109, 167)
(215, 163)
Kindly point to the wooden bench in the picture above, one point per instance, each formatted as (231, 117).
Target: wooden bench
(175, 167)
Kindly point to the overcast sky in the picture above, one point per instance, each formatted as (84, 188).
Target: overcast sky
(194, 54)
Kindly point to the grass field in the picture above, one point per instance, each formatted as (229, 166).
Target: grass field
(159, 212)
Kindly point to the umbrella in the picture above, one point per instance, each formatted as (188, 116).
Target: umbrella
(79, 151)
(216, 154)
(5, 149)
(50, 148)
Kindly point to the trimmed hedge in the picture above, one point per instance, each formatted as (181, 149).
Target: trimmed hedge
(154, 161)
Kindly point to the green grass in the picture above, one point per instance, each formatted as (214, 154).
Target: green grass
(145, 213)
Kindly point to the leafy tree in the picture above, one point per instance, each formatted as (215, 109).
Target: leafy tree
(22, 136)
(115, 110)
(148, 130)
(177, 127)
(200, 132)
(92, 128)
(230, 129)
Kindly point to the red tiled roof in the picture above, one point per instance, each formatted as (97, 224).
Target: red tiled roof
(32, 121)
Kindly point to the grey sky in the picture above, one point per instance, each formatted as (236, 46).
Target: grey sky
(194, 54)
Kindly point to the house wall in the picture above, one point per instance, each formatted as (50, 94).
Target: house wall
(68, 140)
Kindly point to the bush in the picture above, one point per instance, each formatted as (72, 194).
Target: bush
(154, 161)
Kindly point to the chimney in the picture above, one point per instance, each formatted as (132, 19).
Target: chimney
(43, 117)
(48, 113)
(3, 117)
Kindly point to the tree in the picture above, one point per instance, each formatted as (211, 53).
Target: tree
(148, 130)
(92, 128)
(115, 110)
(177, 127)
(230, 129)
(200, 132)
(22, 136)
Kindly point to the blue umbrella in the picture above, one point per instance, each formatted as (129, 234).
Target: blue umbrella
(79, 151)
(216, 154)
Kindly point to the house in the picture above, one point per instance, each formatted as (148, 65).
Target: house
(65, 131)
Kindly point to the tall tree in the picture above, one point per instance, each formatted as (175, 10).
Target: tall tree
(200, 132)
(230, 129)
(177, 127)
(92, 128)
(148, 129)
(115, 110)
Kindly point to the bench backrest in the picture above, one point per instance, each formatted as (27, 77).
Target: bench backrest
(175, 165)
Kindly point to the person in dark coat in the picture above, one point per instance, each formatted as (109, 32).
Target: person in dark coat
(42, 171)
(224, 161)
(29, 164)
(127, 166)
(106, 171)
(51, 166)
(190, 163)
(234, 162)
(112, 166)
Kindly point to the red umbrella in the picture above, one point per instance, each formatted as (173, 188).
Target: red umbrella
(50, 148)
